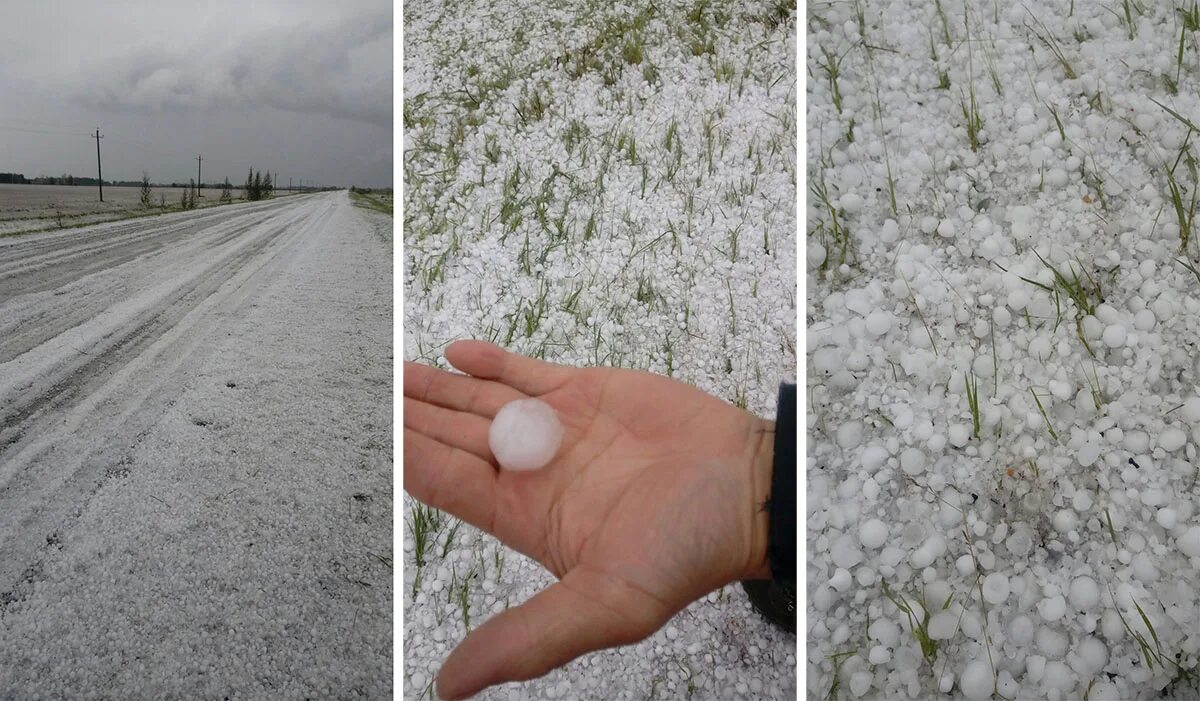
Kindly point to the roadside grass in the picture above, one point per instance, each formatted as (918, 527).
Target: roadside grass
(379, 202)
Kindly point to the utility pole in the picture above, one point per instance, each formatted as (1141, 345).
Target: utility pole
(199, 181)
(99, 174)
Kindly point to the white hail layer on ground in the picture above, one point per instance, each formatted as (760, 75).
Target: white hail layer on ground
(601, 185)
(1004, 307)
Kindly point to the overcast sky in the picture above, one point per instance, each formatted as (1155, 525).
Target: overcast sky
(299, 87)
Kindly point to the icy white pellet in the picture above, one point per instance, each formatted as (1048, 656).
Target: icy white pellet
(525, 435)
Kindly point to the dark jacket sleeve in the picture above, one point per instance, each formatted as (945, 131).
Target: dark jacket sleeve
(782, 506)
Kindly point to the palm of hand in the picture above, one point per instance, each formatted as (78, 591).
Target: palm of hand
(647, 506)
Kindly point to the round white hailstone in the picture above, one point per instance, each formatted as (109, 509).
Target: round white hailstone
(878, 323)
(525, 435)
(1001, 316)
(840, 581)
(1189, 542)
(815, 254)
(879, 655)
(946, 229)
(946, 683)
(1093, 653)
(1171, 439)
(1114, 336)
(965, 565)
(1088, 453)
(1191, 410)
(886, 631)
(873, 533)
(1153, 497)
(1166, 517)
(1058, 676)
(1065, 520)
(1052, 643)
(1144, 320)
(976, 681)
(1137, 442)
(1082, 501)
(1053, 608)
(1084, 593)
(849, 435)
(922, 557)
(995, 588)
(860, 683)
(845, 552)
(1020, 630)
(912, 461)
(890, 231)
(873, 458)
(1056, 177)
(852, 202)
(942, 625)
(960, 434)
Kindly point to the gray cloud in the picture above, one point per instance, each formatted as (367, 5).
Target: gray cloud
(342, 71)
(303, 87)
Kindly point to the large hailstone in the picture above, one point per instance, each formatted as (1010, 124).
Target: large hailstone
(525, 435)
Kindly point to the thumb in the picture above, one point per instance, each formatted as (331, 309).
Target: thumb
(587, 610)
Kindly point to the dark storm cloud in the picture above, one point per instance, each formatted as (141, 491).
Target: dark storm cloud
(303, 87)
(303, 68)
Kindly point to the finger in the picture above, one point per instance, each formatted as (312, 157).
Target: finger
(585, 611)
(457, 429)
(450, 479)
(457, 392)
(491, 362)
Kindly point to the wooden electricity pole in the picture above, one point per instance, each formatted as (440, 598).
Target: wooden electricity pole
(199, 181)
(99, 173)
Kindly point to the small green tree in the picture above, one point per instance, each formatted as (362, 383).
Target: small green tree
(145, 191)
(183, 200)
(226, 191)
(251, 194)
(258, 185)
(268, 188)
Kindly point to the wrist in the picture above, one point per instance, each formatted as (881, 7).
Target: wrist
(762, 438)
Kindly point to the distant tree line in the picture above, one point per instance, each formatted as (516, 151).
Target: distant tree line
(258, 186)
(64, 179)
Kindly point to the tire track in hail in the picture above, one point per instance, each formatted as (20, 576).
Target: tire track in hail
(41, 272)
(48, 322)
(49, 488)
(74, 378)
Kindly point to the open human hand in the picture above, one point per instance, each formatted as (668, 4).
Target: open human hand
(653, 500)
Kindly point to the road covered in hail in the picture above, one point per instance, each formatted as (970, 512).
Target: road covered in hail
(195, 455)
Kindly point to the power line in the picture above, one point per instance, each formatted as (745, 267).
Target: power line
(45, 131)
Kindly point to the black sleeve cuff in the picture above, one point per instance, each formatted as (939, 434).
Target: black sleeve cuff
(781, 548)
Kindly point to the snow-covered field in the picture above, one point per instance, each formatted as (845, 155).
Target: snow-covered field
(596, 184)
(195, 456)
(26, 208)
(1003, 271)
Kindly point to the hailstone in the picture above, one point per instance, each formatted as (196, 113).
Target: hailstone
(525, 435)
